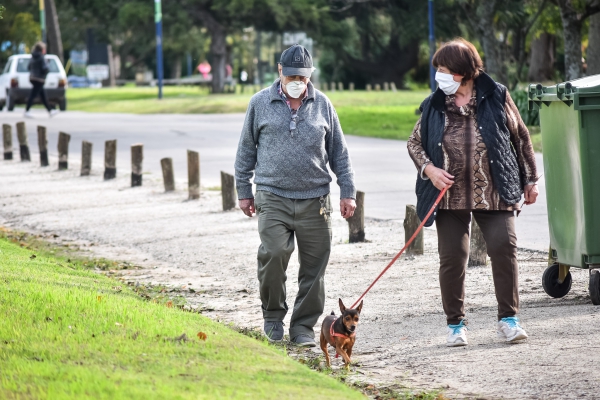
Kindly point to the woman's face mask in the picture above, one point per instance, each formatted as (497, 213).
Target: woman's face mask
(447, 83)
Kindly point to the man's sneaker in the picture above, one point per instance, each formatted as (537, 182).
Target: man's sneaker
(28, 114)
(274, 330)
(457, 335)
(54, 112)
(509, 329)
(304, 341)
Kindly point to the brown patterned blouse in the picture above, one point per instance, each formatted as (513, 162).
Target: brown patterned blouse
(465, 156)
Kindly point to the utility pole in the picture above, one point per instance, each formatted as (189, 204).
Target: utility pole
(43, 20)
(431, 47)
(159, 52)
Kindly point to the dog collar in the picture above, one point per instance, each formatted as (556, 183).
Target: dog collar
(332, 333)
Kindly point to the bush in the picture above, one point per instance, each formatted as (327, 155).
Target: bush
(521, 99)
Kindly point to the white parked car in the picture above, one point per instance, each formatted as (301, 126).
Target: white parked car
(15, 85)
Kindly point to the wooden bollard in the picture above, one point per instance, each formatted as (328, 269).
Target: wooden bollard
(324, 86)
(377, 87)
(228, 191)
(393, 87)
(411, 223)
(351, 86)
(193, 174)
(43, 145)
(23, 145)
(478, 251)
(356, 223)
(168, 176)
(137, 157)
(368, 87)
(386, 87)
(7, 139)
(332, 86)
(86, 158)
(341, 86)
(63, 150)
(110, 159)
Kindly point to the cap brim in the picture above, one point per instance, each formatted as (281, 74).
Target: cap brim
(290, 71)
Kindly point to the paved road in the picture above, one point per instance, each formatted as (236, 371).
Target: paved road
(383, 169)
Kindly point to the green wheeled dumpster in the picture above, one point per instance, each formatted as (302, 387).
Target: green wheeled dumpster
(570, 125)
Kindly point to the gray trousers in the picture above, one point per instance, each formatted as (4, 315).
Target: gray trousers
(498, 228)
(280, 220)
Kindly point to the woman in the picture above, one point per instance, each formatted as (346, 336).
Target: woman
(38, 69)
(471, 139)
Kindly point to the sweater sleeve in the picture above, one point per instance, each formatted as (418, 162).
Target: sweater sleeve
(339, 158)
(416, 151)
(521, 141)
(245, 159)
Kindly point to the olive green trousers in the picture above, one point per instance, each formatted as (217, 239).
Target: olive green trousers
(280, 221)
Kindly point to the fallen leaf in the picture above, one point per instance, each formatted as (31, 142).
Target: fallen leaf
(99, 298)
(31, 257)
(169, 304)
(118, 324)
(201, 335)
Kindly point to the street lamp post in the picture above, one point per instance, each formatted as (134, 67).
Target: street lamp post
(159, 52)
(431, 47)
(43, 20)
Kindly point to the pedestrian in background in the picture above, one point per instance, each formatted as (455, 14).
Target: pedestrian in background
(471, 139)
(38, 70)
(290, 134)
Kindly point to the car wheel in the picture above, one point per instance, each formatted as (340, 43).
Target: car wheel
(62, 104)
(10, 102)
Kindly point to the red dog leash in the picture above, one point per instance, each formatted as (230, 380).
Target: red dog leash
(437, 201)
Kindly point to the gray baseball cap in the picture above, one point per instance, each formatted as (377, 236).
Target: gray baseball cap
(296, 60)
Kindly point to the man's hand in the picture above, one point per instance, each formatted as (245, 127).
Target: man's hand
(347, 207)
(531, 194)
(247, 206)
(439, 177)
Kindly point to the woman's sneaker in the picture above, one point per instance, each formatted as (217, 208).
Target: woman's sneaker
(457, 335)
(509, 329)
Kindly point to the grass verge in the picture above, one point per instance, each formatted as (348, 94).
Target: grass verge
(67, 332)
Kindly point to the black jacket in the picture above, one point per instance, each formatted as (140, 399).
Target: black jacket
(38, 68)
(491, 118)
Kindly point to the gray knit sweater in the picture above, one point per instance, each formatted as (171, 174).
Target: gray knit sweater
(292, 164)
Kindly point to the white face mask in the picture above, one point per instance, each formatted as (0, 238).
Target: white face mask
(447, 83)
(295, 88)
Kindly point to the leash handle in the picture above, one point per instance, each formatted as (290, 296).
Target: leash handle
(437, 201)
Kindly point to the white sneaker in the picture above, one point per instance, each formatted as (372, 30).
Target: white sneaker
(457, 335)
(509, 329)
(28, 114)
(54, 112)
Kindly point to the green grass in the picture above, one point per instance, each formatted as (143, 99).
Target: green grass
(67, 332)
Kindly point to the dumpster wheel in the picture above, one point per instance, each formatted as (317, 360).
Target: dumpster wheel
(551, 285)
(595, 286)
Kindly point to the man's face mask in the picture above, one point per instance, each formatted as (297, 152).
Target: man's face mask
(295, 88)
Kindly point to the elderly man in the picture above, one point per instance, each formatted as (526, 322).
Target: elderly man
(290, 133)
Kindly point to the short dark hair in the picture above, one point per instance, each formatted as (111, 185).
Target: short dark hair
(39, 46)
(461, 57)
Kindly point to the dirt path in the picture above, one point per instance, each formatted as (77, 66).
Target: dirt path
(402, 331)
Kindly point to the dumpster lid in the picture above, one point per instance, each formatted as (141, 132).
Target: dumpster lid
(567, 92)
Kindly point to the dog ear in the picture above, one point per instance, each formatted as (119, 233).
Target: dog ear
(359, 306)
(342, 306)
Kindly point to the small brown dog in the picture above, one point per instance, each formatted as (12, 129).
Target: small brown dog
(340, 332)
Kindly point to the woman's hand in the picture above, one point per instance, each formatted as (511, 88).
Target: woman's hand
(531, 193)
(439, 177)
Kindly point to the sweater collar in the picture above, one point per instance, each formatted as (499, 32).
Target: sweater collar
(485, 86)
(274, 91)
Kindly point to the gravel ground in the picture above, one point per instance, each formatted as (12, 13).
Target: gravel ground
(401, 336)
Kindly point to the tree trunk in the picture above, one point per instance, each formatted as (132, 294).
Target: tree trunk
(176, 68)
(541, 64)
(572, 36)
(491, 48)
(593, 52)
(218, 50)
(55, 45)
